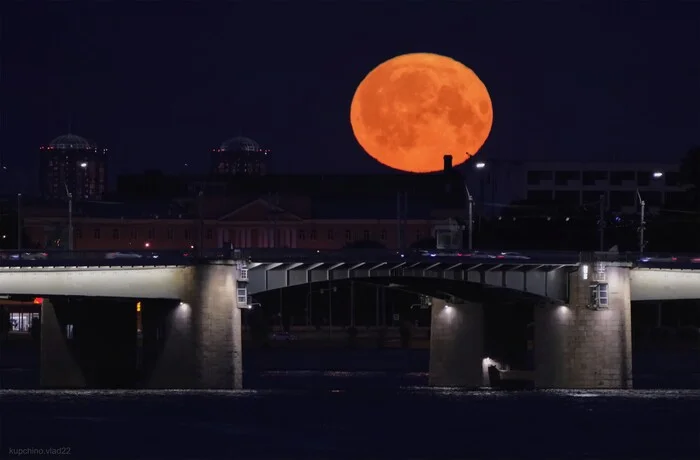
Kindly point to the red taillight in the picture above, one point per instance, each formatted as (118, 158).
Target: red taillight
(38, 300)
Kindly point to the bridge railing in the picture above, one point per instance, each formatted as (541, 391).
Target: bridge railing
(36, 256)
(640, 258)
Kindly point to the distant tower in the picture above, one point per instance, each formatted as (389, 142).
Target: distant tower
(72, 162)
(239, 156)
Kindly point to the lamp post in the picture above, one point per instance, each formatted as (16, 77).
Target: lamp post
(70, 218)
(470, 220)
(480, 166)
(19, 222)
(469, 198)
(642, 222)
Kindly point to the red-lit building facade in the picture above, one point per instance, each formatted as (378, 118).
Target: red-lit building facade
(254, 224)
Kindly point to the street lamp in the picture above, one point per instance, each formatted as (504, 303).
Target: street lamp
(658, 175)
(470, 199)
(480, 165)
(83, 165)
(70, 218)
(470, 223)
(19, 222)
(642, 223)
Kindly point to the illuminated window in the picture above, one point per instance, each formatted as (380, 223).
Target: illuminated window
(242, 294)
(599, 295)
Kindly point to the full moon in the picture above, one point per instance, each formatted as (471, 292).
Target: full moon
(413, 109)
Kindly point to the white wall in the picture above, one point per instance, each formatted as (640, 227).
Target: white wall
(660, 284)
(136, 282)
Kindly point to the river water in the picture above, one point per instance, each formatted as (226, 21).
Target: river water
(385, 412)
(352, 422)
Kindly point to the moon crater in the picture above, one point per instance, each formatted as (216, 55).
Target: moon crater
(411, 110)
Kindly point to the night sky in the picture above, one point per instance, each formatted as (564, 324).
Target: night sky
(161, 83)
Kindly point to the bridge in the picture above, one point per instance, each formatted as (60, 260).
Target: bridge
(191, 306)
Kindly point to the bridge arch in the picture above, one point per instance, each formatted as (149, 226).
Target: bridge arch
(476, 282)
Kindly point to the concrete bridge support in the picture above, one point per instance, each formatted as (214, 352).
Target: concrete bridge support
(88, 342)
(588, 343)
(196, 343)
(59, 363)
(456, 344)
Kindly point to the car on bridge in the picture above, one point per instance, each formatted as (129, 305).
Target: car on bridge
(130, 255)
(478, 255)
(660, 259)
(511, 255)
(26, 256)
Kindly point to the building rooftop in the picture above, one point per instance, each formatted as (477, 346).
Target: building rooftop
(70, 142)
(240, 144)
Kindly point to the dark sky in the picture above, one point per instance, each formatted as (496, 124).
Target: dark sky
(161, 83)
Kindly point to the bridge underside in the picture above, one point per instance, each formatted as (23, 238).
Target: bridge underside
(664, 284)
(481, 282)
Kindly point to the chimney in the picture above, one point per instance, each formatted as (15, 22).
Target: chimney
(447, 163)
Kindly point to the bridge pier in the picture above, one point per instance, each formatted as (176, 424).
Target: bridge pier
(59, 364)
(456, 344)
(196, 343)
(588, 343)
(87, 342)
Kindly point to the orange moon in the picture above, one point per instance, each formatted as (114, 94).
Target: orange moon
(413, 109)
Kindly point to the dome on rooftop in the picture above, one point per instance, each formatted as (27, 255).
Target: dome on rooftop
(240, 144)
(71, 142)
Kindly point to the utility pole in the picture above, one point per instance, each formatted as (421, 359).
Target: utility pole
(70, 218)
(470, 217)
(642, 223)
(399, 227)
(601, 223)
(19, 223)
(201, 223)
